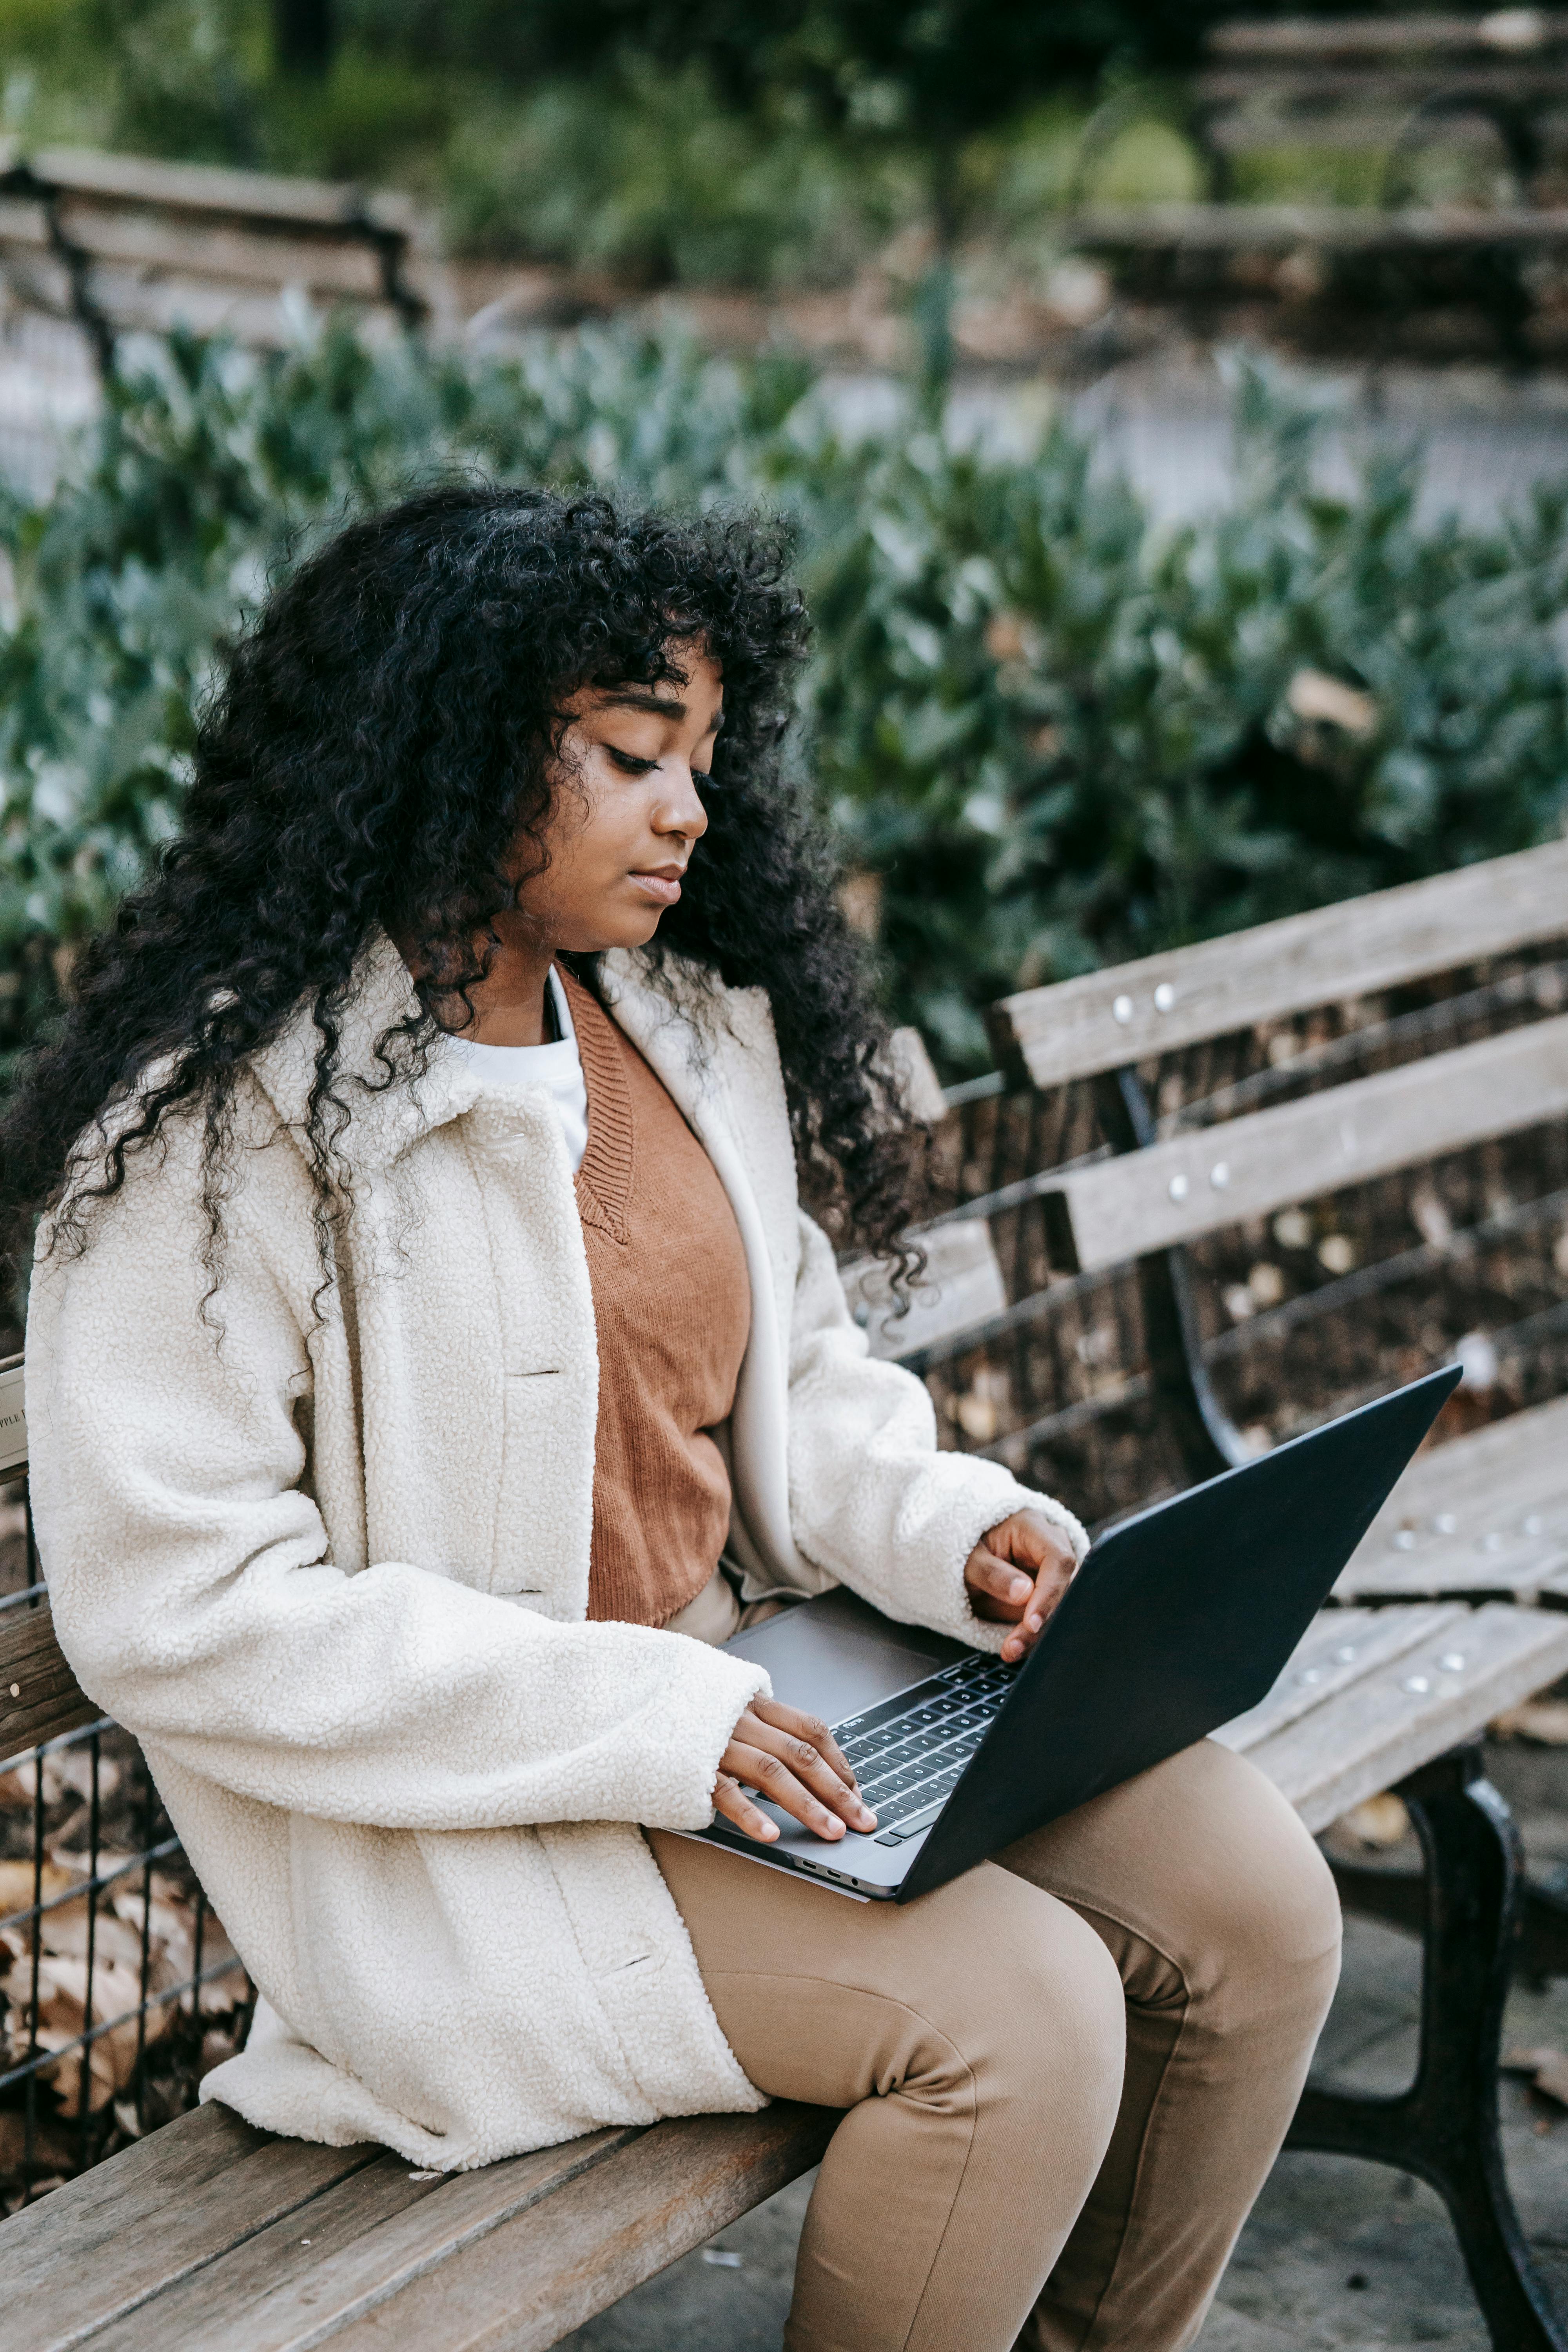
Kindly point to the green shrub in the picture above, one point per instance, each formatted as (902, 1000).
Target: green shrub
(646, 174)
(1059, 735)
(1067, 738)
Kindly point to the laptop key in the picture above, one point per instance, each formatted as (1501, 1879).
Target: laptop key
(914, 1801)
(912, 1828)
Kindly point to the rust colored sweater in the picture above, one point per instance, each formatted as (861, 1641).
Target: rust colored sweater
(672, 1314)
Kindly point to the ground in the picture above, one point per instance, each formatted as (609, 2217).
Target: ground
(1336, 2256)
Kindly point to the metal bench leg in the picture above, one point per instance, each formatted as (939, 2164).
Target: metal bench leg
(1445, 2128)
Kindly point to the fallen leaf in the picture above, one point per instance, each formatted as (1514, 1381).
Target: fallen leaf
(1543, 1721)
(1266, 1283)
(979, 1410)
(1430, 1216)
(53, 2149)
(69, 1769)
(1546, 2069)
(65, 1933)
(1552, 2080)
(19, 1890)
(1529, 2061)
(977, 1416)
(1379, 1820)
(65, 2013)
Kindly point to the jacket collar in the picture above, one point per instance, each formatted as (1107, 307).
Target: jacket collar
(664, 1011)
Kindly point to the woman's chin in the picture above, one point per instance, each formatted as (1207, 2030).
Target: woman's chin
(622, 926)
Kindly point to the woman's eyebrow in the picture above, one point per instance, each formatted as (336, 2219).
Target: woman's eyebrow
(658, 706)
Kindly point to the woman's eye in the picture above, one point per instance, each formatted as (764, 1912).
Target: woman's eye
(629, 763)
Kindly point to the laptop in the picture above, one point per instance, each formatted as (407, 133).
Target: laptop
(1180, 1619)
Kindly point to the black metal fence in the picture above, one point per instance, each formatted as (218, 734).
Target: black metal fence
(118, 1989)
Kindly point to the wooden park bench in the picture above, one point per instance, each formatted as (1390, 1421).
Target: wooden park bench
(117, 243)
(1342, 276)
(1388, 87)
(1147, 1123)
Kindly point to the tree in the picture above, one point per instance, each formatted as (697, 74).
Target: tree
(304, 35)
(935, 75)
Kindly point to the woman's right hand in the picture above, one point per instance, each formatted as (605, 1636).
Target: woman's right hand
(795, 1761)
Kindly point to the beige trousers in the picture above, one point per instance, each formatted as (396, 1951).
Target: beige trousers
(1066, 2074)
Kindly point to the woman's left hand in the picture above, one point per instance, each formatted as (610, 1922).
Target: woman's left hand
(1017, 1572)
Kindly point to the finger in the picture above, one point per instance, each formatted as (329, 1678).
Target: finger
(1047, 1591)
(808, 1727)
(730, 1800)
(761, 1769)
(813, 1771)
(1007, 1587)
(1029, 1542)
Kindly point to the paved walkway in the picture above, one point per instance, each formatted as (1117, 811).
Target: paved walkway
(1337, 2254)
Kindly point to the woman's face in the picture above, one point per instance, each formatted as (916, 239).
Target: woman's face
(626, 813)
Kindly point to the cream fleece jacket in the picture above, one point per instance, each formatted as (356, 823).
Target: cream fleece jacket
(331, 1568)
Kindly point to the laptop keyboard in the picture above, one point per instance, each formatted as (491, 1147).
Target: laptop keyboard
(908, 1752)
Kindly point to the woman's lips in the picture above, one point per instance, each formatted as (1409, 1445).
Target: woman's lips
(665, 889)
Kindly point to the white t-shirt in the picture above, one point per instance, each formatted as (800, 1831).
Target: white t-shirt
(557, 1068)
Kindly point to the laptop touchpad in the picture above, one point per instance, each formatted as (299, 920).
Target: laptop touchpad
(835, 1657)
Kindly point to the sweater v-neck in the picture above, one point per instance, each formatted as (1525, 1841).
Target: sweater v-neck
(604, 1181)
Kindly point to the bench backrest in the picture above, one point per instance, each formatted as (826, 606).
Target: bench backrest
(13, 1418)
(1356, 947)
(1075, 1342)
(119, 242)
(1198, 1184)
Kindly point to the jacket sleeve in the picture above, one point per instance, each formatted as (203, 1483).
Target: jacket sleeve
(871, 1499)
(193, 1595)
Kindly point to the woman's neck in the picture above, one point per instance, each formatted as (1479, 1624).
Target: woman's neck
(508, 1003)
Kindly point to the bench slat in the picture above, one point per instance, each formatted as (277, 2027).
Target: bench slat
(102, 2245)
(13, 1416)
(1518, 1567)
(1196, 1184)
(535, 2279)
(49, 1698)
(1385, 1722)
(963, 1284)
(211, 189)
(139, 240)
(362, 2239)
(155, 304)
(1354, 948)
(1371, 40)
(1339, 1647)
(1505, 1490)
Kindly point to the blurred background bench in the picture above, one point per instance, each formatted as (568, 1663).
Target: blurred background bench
(1495, 83)
(1397, 92)
(112, 243)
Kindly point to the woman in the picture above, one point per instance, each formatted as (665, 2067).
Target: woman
(429, 1362)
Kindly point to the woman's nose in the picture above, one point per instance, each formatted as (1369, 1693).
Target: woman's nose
(682, 810)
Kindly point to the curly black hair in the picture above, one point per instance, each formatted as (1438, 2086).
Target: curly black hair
(381, 741)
